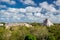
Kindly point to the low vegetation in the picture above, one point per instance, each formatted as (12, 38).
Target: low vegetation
(37, 32)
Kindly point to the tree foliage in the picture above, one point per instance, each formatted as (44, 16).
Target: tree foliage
(37, 32)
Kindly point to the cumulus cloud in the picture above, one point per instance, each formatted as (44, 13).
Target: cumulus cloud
(49, 7)
(3, 6)
(28, 2)
(11, 2)
(9, 15)
(33, 14)
(33, 9)
(57, 2)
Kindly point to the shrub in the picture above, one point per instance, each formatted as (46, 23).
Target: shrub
(30, 37)
(55, 30)
(51, 37)
(40, 32)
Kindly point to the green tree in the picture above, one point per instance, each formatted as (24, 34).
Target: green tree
(51, 37)
(30, 37)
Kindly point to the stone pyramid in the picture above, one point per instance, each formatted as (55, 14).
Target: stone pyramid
(47, 22)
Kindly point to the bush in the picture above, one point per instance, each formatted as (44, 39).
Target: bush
(55, 31)
(51, 37)
(35, 24)
(1, 36)
(30, 37)
(2, 23)
(37, 32)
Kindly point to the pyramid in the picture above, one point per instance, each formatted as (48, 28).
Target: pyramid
(47, 22)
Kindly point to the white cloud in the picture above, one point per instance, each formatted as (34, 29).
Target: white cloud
(57, 2)
(3, 6)
(37, 14)
(29, 13)
(8, 1)
(28, 2)
(14, 14)
(33, 9)
(12, 10)
(49, 7)
(22, 10)
(12, 2)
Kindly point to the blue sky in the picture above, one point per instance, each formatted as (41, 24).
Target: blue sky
(29, 10)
